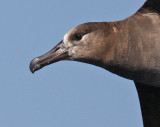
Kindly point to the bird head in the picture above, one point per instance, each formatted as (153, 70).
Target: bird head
(87, 43)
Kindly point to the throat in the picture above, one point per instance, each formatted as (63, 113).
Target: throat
(143, 75)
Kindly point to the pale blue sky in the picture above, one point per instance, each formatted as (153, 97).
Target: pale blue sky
(65, 94)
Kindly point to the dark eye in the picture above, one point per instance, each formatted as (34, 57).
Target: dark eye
(78, 37)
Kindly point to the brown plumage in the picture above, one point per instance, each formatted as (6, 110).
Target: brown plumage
(129, 48)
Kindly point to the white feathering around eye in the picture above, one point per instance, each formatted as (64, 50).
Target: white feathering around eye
(85, 37)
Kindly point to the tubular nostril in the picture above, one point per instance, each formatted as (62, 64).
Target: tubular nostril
(57, 49)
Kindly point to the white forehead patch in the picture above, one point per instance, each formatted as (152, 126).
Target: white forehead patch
(66, 40)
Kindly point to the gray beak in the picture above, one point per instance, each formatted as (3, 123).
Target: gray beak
(59, 52)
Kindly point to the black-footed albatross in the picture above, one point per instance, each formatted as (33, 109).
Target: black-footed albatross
(129, 48)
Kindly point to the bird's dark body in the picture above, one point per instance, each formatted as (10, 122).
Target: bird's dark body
(129, 48)
(136, 52)
(149, 97)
